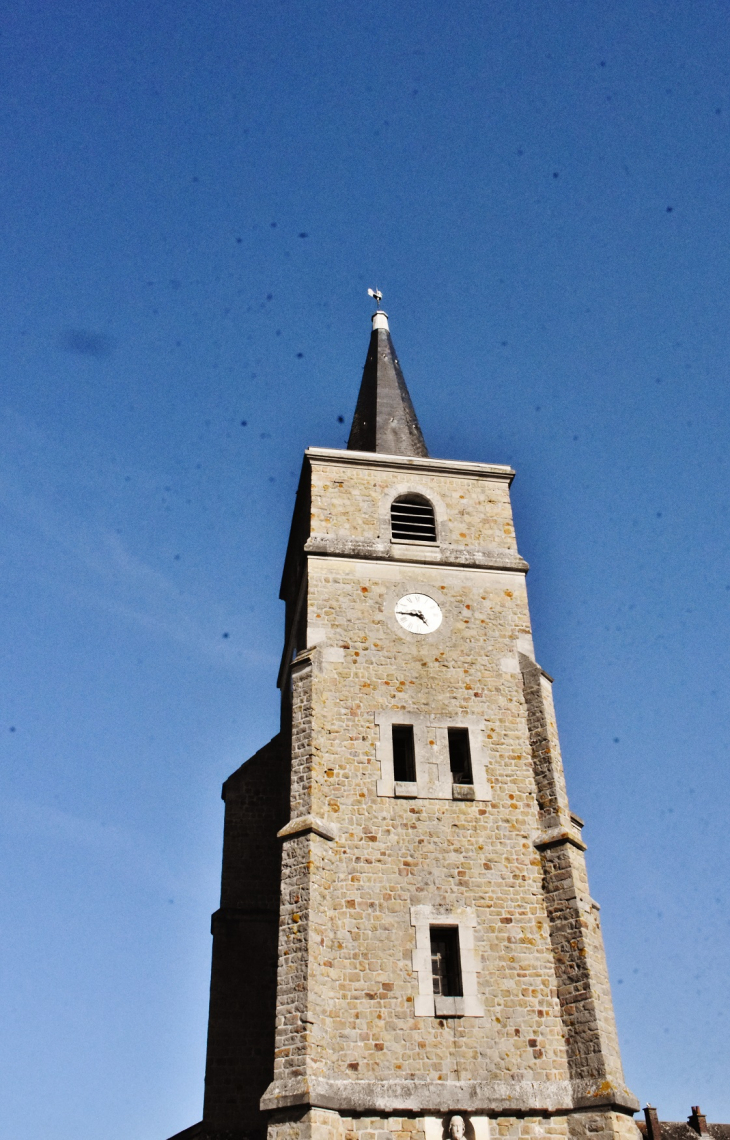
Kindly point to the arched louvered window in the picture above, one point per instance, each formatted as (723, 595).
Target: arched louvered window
(412, 519)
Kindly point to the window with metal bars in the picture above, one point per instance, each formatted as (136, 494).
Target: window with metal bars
(446, 961)
(412, 519)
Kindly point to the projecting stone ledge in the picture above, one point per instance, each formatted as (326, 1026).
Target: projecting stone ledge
(447, 1096)
(377, 548)
(304, 823)
(555, 836)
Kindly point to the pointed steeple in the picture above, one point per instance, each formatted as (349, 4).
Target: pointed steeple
(384, 418)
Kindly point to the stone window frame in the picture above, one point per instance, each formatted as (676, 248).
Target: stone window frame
(425, 1004)
(425, 491)
(433, 768)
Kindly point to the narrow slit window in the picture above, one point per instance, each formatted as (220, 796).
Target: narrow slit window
(446, 961)
(404, 754)
(412, 519)
(460, 756)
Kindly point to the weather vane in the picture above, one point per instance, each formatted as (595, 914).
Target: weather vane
(376, 295)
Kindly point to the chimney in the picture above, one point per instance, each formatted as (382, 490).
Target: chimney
(698, 1121)
(653, 1127)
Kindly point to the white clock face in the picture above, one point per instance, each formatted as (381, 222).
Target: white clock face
(418, 613)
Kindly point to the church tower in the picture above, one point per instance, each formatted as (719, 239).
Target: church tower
(406, 947)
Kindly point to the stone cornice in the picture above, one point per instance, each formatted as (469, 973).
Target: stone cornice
(433, 555)
(454, 467)
(447, 1096)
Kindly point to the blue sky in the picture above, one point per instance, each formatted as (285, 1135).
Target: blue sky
(196, 197)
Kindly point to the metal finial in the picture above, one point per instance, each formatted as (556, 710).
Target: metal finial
(376, 295)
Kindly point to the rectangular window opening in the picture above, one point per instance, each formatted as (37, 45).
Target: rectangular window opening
(446, 961)
(404, 754)
(460, 756)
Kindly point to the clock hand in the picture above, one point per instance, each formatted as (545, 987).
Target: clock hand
(413, 613)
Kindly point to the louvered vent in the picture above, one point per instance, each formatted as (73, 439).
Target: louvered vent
(412, 520)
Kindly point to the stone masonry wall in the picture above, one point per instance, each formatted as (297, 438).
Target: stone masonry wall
(348, 501)
(321, 1124)
(552, 798)
(395, 853)
(583, 989)
(243, 976)
(347, 983)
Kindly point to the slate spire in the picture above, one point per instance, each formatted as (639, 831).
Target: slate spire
(384, 418)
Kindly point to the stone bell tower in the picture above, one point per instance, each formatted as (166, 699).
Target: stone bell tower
(406, 934)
